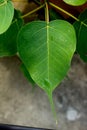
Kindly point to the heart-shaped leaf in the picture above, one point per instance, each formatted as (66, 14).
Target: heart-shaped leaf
(6, 14)
(46, 50)
(81, 32)
(75, 2)
(8, 44)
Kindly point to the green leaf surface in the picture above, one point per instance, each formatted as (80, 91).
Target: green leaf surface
(75, 2)
(81, 32)
(6, 14)
(46, 50)
(8, 44)
(26, 74)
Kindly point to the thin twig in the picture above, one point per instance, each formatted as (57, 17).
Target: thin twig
(33, 11)
(69, 14)
(46, 13)
(64, 11)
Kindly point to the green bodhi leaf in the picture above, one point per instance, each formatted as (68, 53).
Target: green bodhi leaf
(6, 14)
(81, 32)
(46, 50)
(8, 44)
(75, 2)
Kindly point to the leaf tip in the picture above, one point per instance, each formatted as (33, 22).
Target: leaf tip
(56, 122)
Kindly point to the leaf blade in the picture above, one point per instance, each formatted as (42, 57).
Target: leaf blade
(81, 32)
(39, 61)
(6, 15)
(75, 2)
(8, 44)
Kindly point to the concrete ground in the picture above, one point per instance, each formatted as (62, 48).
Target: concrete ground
(22, 105)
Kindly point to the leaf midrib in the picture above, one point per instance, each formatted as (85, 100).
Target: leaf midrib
(48, 49)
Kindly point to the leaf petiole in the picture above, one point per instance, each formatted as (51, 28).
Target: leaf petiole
(64, 11)
(46, 13)
(69, 14)
(33, 11)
